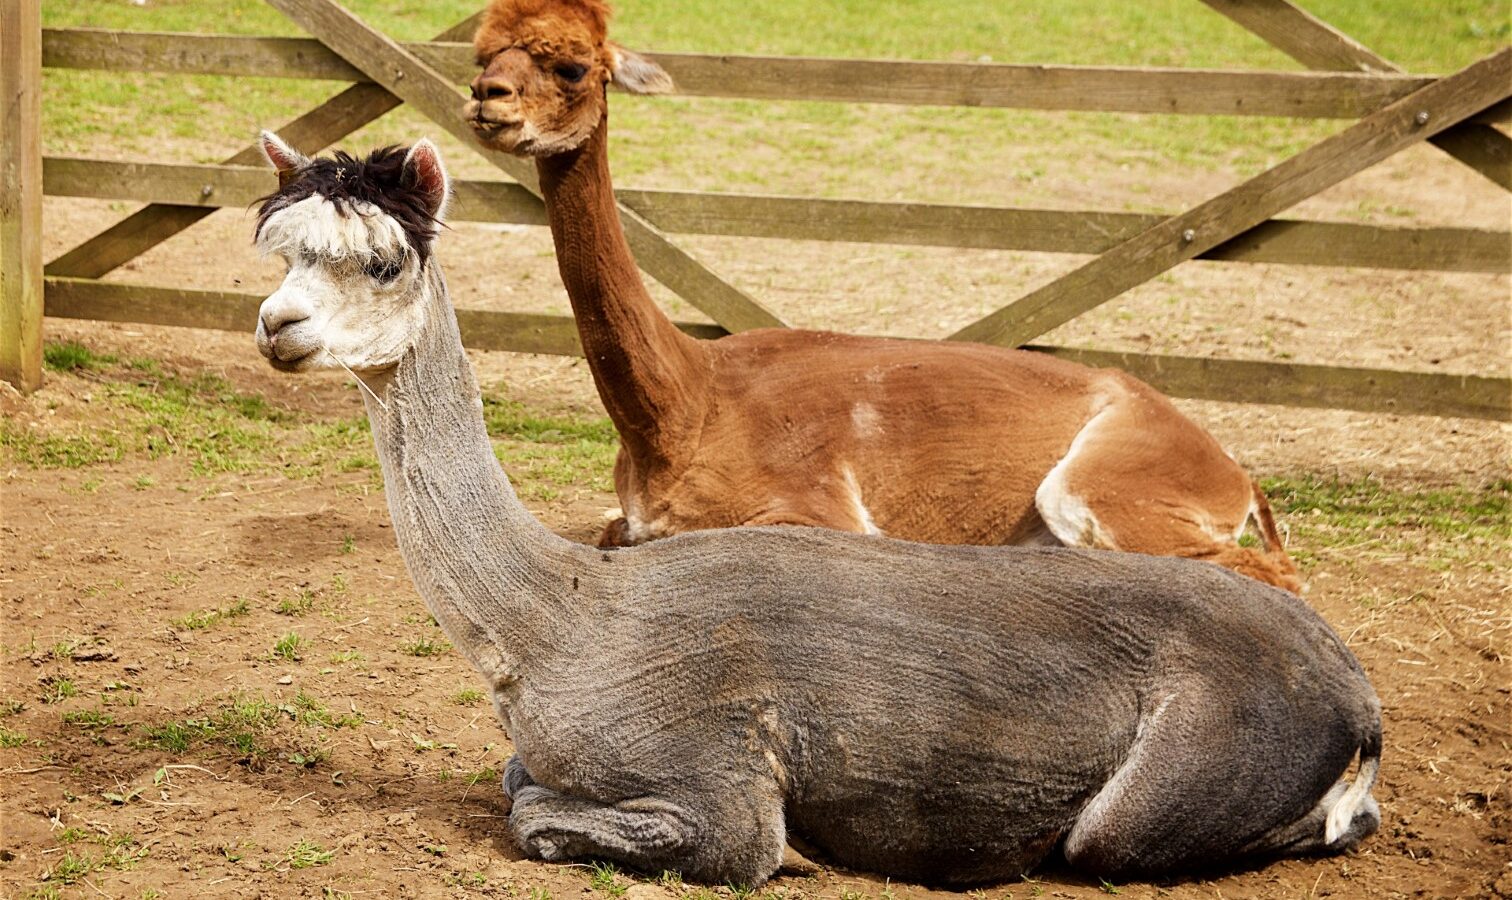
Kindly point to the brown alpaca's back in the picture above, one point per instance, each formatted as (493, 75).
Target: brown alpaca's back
(943, 443)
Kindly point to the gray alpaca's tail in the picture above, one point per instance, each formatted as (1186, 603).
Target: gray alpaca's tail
(1355, 816)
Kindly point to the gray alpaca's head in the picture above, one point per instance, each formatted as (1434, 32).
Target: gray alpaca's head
(357, 235)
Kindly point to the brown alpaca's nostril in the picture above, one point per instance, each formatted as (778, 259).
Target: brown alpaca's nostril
(484, 88)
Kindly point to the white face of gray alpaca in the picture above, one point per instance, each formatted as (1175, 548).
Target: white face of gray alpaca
(356, 235)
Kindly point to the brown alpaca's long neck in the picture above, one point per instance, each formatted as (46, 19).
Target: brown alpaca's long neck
(651, 377)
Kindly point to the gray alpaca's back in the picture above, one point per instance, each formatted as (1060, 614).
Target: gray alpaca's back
(946, 713)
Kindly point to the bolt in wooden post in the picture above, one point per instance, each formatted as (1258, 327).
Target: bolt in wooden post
(21, 193)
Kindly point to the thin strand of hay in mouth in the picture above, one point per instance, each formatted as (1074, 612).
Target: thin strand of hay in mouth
(360, 383)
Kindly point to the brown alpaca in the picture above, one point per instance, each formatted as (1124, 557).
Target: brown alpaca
(948, 443)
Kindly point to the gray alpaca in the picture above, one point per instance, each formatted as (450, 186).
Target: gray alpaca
(944, 714)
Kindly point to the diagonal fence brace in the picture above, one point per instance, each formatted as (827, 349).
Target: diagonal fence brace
(1416, 117)
(415, 82)
(1318, 45)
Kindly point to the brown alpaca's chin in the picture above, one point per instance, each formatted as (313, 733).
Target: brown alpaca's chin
(506, 137)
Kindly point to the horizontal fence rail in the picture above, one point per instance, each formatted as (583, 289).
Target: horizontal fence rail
(1233, 380)
(195, 190)
(1294, 242)
(1318, 95)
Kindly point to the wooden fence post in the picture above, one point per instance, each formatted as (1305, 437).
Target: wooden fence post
(21, 193)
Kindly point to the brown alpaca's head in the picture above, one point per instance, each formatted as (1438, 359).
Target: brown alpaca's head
(545, 67)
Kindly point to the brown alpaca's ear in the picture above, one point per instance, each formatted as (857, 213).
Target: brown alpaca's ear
(423, 169)
(284, 158)
(637, 74)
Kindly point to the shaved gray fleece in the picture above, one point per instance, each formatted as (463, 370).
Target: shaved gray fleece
(946, 714)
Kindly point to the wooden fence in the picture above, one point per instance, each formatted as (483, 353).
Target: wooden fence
(1394, 110)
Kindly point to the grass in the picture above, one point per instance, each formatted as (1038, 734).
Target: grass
(88, 718)
(791, 147)
(467, 697)
(546, 454)
(287, 647)
(56, 689)
(120, 851)
(69, 356)
(308, 711)
(307, 854)
(207, 618)
(1363, 514)
(254, 729)
(426, 647)
(602, 878)
(297, 605)
(9, 737)
(201, 418)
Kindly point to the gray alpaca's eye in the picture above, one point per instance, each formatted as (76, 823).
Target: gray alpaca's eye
(383, 270)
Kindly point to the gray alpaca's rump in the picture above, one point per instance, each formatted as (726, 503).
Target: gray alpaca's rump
(945, 714)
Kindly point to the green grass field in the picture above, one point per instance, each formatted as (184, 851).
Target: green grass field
(792, 147)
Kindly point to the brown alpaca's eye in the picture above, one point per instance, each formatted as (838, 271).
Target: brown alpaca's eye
(571, 72)
(383, 270)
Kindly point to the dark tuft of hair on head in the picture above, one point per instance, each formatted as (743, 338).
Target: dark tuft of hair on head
(380, 179)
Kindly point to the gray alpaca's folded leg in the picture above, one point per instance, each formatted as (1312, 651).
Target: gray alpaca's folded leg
(734, 843)
(515, 776)
(555, 827)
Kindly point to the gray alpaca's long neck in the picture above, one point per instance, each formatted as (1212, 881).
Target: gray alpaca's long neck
(489, 572)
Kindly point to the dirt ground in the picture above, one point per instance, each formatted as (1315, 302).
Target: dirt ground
(190, 756)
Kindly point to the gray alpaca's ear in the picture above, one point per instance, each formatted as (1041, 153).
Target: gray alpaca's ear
(283, 158)
(424, 169)
(637, 74)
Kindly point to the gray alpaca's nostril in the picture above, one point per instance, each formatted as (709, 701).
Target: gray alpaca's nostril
(272, 323)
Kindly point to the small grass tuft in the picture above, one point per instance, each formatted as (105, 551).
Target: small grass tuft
(287, 647)
(70, 869)
(426, 647)
(297, 605)
(467, 697)
(69, 356)
(56, 689)
(601, 877)
(307, 854)
(205, 618)
(88, 718)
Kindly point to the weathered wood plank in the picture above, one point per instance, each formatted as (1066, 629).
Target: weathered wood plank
(1099, 88)
(1179, 238)
(1318, 45)
(799, 218)
(1243, 381)
(320, 127)
(85, 298)
(21, 193)
(434, 97)
(1314, 386)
